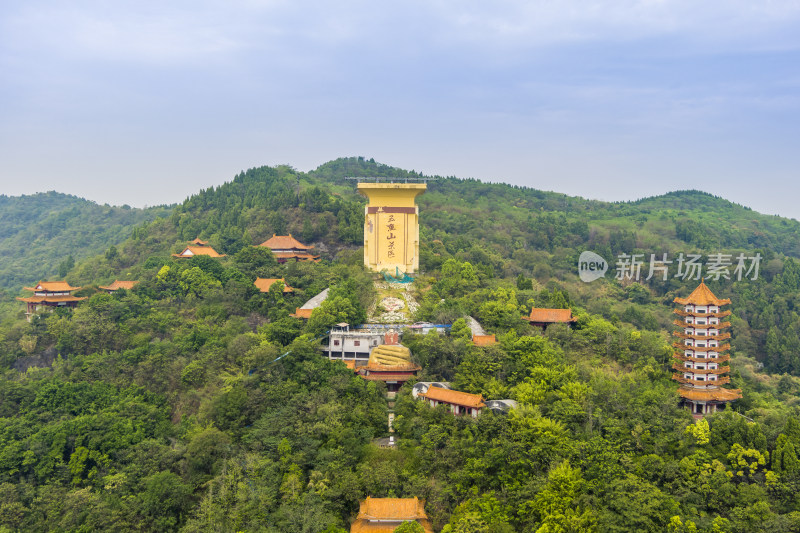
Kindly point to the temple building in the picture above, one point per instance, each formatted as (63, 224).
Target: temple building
(479, 335)
(307, 308)
(384, 515)
(543, 317)
(197, 247)
(117, 285)
(263, 284)
(421, 387)
(700, 354)
(460, 403)
(391, 226)
(48, 295)
(484, 340)
(390, 363)
(351, 345)
(287, 248)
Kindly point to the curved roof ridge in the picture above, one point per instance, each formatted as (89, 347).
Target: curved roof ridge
(702, 295)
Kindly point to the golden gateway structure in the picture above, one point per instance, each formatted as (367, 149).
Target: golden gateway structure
(391, 226)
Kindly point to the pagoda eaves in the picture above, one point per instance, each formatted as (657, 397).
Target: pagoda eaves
(699, 354)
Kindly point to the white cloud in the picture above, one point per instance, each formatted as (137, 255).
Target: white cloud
(176, 32)
(444, 82)
(547, 22)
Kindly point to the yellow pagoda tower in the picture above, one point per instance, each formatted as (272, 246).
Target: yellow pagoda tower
(700, 356)
(391, 226)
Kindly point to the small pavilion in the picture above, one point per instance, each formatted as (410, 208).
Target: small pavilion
(263, 284)
(197, 247)
(484, 340)
(460, 403)
(384, 515)
(287, 248)
(47, 295)
(543, 317)
(307, 308)
(117, 285)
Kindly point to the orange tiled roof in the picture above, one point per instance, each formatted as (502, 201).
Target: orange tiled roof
(550, 315)
(40, 299)
(373, 366)
(284, 242)
(721, 314)
(702, 295)
(392, 509)
(720, 337)
(720, 370)
(722, 395)
(722, 380)
(198, 250)
(52, 286)
(484, 340)
(386, 376)
(302, 313)
(721, 325)
(264, 284)
(683, 346)
(453, 396)
(300, 256)
(198, 242)
(721, 358)
(127, 285)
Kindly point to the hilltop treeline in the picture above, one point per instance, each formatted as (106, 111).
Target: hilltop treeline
(42, 235)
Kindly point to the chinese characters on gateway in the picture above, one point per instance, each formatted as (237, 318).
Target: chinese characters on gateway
(391, 237)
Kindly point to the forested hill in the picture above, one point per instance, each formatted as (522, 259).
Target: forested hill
(194, 402)
(503, 231)
(40, 232)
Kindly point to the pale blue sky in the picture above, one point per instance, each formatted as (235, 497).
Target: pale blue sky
(135, 102)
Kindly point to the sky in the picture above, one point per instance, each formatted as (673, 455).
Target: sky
(146, 102)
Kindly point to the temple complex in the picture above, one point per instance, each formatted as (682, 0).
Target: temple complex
(263, 284)
(197, 247)
(287, 248)
(117, 285)
(699, 354)
(384, 515)
(48, 295)
(391, 226)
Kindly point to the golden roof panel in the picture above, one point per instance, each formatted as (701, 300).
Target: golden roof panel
(263, 284)
(454, 397)
(702, 295)
(52, 286)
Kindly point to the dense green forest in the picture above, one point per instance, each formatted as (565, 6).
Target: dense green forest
(42, 235)
(196, 403)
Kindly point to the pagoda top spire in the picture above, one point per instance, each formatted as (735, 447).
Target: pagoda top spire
(702, 295)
